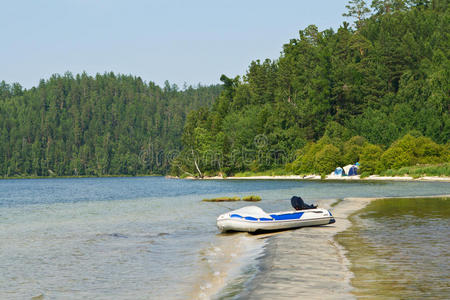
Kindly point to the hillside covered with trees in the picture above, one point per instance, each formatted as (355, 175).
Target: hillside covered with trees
(94, 126)
(376, 91)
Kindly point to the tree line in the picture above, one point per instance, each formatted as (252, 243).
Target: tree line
(94, 125)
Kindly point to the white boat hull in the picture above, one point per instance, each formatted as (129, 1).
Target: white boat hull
(253, 219)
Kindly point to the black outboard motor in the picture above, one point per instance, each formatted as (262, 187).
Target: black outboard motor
(298, 204)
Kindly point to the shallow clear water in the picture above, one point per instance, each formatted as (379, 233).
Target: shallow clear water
(145, 237)
(400, 249)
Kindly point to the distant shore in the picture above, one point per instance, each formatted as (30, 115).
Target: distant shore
(327, 178)
(79, 176)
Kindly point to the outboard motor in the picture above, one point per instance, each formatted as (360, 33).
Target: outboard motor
(299, 204)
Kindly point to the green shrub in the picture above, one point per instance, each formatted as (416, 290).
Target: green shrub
(252, 198)
(222, 199)
(396, 157)
(327, 159)
(400, 154)
(370, 158)
(428, 152)
(317, 157)
(365, 174)
(410, 150)
(446, 152)
(305, 159)
(420, 170)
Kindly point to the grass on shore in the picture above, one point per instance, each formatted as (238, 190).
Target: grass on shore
(252, 198)
(420, 171)
(274, 172)
(222, 199)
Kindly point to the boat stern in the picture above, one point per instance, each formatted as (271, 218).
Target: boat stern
(332, 220)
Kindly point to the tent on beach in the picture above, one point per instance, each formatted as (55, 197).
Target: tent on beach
(351, 170)
(338, 171)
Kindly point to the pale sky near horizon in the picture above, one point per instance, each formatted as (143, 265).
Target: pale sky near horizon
(180, 41)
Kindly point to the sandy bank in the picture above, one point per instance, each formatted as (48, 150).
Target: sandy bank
(303, 263)
(307, 263)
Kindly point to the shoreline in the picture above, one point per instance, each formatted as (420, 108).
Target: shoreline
(326, 178)
(312, 177)
(80, 176)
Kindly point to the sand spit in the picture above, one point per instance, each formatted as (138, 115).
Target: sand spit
(307, 263)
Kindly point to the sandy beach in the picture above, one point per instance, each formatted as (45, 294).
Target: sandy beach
(308, 263)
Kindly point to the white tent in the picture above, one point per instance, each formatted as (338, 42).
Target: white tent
(351, 170)
(347, 168)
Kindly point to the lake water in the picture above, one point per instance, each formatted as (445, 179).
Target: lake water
(144, 237)
(400, 248)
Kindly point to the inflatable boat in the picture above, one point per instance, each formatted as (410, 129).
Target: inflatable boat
(255, 219)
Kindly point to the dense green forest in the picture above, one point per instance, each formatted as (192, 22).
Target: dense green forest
(377, 91)
(92, 126)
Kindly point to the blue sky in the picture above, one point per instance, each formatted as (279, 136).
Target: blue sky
(181, 41)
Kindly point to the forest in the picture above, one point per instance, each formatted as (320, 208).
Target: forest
(375, 91)
(94, 126)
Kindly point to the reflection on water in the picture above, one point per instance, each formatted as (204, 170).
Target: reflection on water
(399, 248)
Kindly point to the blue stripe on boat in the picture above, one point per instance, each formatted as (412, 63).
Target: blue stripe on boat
(249, 218)
(292, 216)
